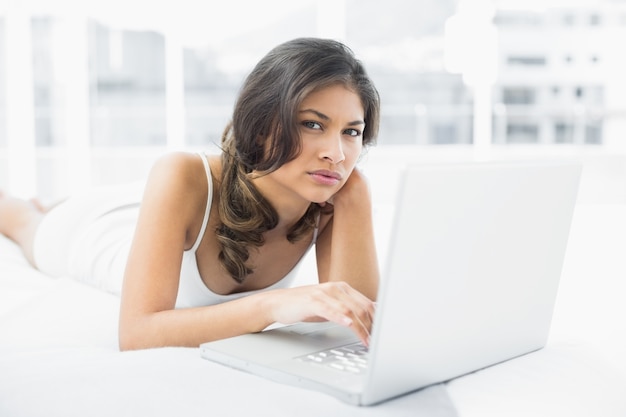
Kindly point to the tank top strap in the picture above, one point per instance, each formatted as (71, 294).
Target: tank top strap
(207, 210)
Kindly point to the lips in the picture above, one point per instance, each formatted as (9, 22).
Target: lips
(325, 177)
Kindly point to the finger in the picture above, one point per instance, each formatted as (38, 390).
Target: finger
(348, 309)
(366, 320)
(362, 307)
(355, 324)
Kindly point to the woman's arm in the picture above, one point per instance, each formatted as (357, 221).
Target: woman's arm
(169, 224)
(346, 249)
(166, 228)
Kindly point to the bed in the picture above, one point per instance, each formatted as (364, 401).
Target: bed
(59, 355)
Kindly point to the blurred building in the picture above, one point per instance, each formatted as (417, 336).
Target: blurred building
(560, 75)
(85, 91)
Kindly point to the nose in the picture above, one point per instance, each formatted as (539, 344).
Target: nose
(332, 149)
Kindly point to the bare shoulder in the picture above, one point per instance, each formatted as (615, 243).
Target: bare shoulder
(187, 168)
(177, 188)
(180, 168)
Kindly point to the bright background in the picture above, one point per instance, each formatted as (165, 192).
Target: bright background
(91, 92)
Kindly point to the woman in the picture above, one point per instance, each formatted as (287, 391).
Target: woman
(217, 239)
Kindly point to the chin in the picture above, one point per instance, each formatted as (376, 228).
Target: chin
(323, 199)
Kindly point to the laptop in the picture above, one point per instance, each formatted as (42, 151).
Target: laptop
(473, 265)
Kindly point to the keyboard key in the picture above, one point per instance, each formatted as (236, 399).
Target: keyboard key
(351, 358)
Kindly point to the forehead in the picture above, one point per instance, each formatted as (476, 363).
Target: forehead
(335, 98)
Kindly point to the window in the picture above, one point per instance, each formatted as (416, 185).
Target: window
(209, 97)
(522, 132)
(526, 61)
(563, 132)
(579, 92)
(518, 95)
(404, 127)
(48, 97)
(593, 133)
(517, 19)
(445, 134)
(569, 19)
(401, 49)
(127, 89)
(594, 95)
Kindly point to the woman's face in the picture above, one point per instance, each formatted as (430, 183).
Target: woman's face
(331, 125)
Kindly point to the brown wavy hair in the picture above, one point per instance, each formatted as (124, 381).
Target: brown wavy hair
(263, 136)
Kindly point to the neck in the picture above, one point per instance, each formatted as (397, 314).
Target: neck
(290, 207)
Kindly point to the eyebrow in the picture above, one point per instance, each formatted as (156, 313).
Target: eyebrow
(324, 117)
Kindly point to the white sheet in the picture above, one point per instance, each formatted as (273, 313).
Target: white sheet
(59, 357)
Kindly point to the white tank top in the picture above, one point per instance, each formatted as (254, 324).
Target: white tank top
(192, 292)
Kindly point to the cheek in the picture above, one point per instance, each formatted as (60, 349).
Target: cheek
(353, 151)
(287, 171)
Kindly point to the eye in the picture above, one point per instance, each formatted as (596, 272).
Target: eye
(353, 132)
(311, 125)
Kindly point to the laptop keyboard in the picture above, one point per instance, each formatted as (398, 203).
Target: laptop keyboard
(350, 358)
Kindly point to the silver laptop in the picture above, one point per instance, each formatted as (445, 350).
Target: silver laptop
(472, 272)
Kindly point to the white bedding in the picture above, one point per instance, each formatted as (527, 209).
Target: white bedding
(59, 357)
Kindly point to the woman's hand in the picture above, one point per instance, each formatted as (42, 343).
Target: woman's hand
(332, 301)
